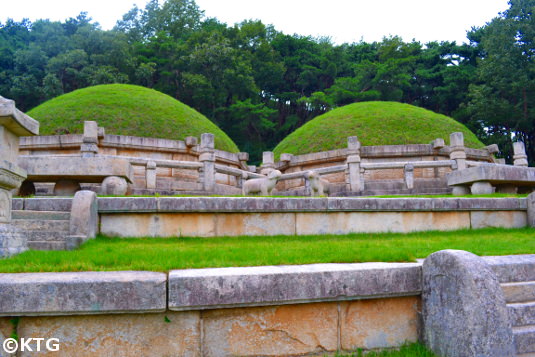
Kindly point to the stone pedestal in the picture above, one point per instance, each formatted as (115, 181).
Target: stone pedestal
(89, 146)
(13, 124)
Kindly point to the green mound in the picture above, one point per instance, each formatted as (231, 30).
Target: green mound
(126, 110)
(375, 123)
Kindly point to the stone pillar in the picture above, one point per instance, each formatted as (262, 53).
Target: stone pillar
(89, 146)
(531, 210)
(268, 162)
(409, 176)
(520, 158)
(457, 150)
(353, 173)
(13, 124)
(207, 157)
(150, 174)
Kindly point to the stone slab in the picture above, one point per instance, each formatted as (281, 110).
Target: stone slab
(257, 286)
(379, 323)
(513, 268)
(48, 168)
(28, 294)
(495, 174)
(144, 335)
(48, 204)
(501, 219)
(127, 204)
(291, 330)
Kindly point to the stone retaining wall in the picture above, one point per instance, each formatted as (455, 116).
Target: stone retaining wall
(217, 312)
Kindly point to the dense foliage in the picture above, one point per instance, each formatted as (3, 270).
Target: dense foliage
(259, 84)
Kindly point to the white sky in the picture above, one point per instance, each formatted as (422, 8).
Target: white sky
(342, 20)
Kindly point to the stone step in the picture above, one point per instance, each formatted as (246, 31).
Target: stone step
(524, 339)
(522, 314)
(519, 292)
(526, 355)
(40, 245)
(41, 225)
(46, 236)
(513, 268)
(41, 215)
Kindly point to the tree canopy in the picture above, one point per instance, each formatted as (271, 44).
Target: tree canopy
(259, 85)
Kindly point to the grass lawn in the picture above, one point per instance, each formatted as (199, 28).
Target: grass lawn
(412, 350)
(164, 254)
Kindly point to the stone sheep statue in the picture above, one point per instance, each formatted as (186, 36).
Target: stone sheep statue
(318, 186)
(264, 185)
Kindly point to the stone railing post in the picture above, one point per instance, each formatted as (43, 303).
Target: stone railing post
(457, 150)
(520, 158)
(150, 174)
(13, 124)
(409, 176)
(89, 146)
(353, 173)
(268, 162)
(207, 157)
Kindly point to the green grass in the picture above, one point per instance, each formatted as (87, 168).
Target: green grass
(492, 195)
(126, 110)
(410, 350)
(375, 123)
(164, 254)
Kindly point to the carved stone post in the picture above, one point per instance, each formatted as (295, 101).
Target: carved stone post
(457, 150)
(353, 174)
(89, 146)
(13, 124)
(150, 174)
(268, 162)
(207, 157)
(409, 176)
(520, 158)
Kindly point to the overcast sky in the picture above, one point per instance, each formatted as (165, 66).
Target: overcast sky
(342, 20)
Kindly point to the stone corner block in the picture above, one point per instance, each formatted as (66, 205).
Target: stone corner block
(82, 293)
(531, 210)
(463, 307)
(84, 215)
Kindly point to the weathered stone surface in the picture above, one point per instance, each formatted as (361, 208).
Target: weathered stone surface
(81, 293)
(519, 291)
(84, 215)
(530, 202)
(82, 169)
(12, 240)
(504, 219)
(15, 120)
(114, 185)
(6, 329)
(127, 204)
(512, 268)
(207, 141)
(379, 323)
(464, 311)
(481, 188)
(271, 331)
(47, 204)
(66, 188)
(460, 190)
(232, 287)
(161, 334)
(158, 225)
(520, 158)
(255, 224)
(494, 174)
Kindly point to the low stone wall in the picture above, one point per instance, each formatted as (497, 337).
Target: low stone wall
(234, 216)
(217, 312)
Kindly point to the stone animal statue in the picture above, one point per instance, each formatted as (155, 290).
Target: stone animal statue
(318, 186)
(263, 185)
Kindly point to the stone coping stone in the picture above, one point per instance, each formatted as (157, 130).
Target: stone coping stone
(199, 289)
(495, 174)
(81, 293)
(513, 268)
(291, 204)
(62, 204)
